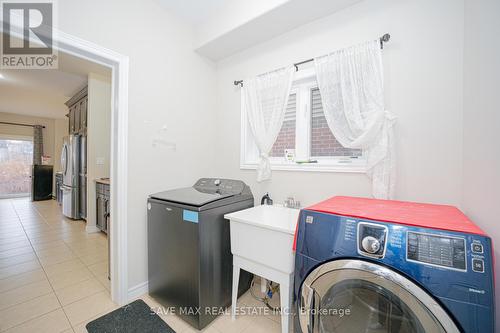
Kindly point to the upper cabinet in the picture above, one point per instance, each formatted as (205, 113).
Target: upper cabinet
(83, 112)
(77, 114)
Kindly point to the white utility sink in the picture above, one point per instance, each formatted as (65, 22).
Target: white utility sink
(262, 243)
(264, 234)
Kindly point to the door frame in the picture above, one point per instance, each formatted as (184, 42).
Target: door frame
(119, 65)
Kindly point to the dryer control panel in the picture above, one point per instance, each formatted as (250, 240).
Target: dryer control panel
(443, 251)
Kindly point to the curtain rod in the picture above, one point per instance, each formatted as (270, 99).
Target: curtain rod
(17, 124)
(384, 39)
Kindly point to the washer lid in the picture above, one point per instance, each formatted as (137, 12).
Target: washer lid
(190, 196)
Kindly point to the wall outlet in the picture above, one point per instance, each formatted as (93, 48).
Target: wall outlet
(99, 161)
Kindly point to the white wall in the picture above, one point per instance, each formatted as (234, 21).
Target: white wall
(423, 76)
(169, 85)
(60, 131)
(98, 138)
(481, 191)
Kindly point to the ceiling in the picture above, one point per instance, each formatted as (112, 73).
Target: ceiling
(194, 11)
(225, 27)
(243, 24)
(42, 93)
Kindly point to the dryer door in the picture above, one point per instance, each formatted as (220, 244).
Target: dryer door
(359, 296)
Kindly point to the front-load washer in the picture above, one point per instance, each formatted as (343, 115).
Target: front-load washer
(366, 265)
(190, 263)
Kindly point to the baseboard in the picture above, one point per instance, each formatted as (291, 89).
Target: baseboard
(91, 229)
(14, 196)
(138, 290)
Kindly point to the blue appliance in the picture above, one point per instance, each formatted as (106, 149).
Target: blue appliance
(359, 268)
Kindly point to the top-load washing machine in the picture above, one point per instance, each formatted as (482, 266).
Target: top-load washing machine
(190, 263)
(366, 265)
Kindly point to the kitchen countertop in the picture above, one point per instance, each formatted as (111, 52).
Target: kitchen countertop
(104, 181)
(276, 218)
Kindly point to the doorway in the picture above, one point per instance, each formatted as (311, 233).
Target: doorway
(16, 159)
(117, 234)
(119, 65)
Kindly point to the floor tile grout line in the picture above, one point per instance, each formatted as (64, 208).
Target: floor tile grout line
(112, 308)
(47, 276)
(92, 318)
(33, 250)
(37, 317)
(81, 299)
(17, 263)
(20, 303)
(30, 299)
(19, 286)
(30, 270)
(34, 318)
(57, 297)
(14, 248)
(16, 254)
(73, 284)
(93, 275)
(42, 267)
(65, 262)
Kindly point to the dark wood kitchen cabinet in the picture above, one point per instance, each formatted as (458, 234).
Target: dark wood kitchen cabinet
(77, 114)
(102, 206)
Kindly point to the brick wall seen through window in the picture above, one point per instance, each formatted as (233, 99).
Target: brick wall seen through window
(323, 143)
(286, 137)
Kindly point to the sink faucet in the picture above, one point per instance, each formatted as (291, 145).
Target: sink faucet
(290, 202)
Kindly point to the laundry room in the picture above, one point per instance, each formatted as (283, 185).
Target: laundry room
(230, 166)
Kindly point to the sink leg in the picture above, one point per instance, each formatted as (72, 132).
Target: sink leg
(263, 285)
(236, 280)
(286, 295)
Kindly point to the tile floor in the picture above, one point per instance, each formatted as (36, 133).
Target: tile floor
(53, 276)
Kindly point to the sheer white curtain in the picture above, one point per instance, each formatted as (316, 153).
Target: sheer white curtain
(352, 93)
(265, 99)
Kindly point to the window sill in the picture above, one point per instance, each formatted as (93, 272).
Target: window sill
(313, 167)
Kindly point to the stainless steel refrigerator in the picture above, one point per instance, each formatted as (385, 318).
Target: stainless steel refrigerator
(70, 164)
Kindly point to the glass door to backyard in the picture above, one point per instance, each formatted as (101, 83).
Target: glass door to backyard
(16, 158)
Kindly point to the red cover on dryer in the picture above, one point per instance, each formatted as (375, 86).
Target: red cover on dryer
(440, 217)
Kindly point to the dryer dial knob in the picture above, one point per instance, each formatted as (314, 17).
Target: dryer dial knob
(370, 244)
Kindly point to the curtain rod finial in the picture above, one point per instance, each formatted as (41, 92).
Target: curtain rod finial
(238, 83)
(384, 39)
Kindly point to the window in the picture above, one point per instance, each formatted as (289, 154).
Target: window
(305, 141)
(16, 158)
